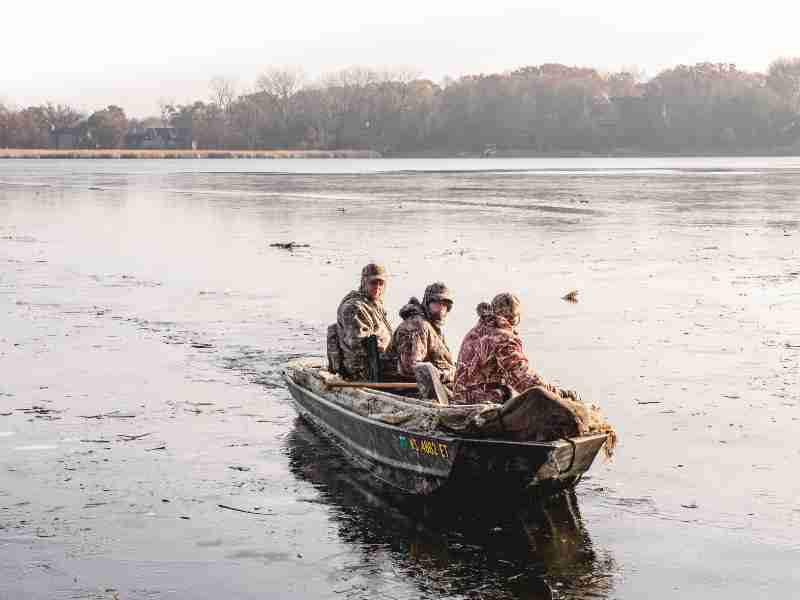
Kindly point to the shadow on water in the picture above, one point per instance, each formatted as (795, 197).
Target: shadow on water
(466, 547)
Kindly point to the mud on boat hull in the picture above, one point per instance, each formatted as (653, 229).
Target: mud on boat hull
(424, 464)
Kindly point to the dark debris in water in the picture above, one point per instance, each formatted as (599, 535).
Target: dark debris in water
(289, 245)
(19, 238)
(242, 510)
(571, 296)
(132, 438)
(114, 414)
(41, 412)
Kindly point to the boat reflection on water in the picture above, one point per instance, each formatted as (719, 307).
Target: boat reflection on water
(455, 547)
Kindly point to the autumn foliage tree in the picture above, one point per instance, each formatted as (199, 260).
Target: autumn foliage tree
(783, 77)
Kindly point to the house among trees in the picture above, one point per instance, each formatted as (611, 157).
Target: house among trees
(70, 137)
(159, 138)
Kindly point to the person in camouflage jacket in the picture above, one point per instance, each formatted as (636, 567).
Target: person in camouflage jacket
(360, 315)
(492, 366)
(419, 338)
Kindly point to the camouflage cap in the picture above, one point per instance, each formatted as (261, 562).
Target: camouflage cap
(437, 292)
(374, 271)
(506, 305)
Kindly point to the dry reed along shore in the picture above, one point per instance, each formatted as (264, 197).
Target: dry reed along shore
(124, 153)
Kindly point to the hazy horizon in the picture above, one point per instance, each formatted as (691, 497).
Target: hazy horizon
(90, 59)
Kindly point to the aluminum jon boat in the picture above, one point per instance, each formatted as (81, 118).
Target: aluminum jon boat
(402, 441)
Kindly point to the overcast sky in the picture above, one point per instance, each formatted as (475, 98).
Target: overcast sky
(90, 53)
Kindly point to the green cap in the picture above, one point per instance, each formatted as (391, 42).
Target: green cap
(374, 271)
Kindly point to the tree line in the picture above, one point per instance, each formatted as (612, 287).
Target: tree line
(549, 108)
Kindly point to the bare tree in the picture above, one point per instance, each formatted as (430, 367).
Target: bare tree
(248, 119)
(223, 92)
(404, 75)
(60, 116)
(280, 85)
(357, 77)
(167, 110)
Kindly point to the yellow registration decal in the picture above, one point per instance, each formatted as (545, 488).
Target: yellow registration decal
(422, 446)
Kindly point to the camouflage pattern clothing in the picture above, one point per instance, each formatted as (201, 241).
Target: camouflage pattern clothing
(491, 362)
(419, 339)
(357, 318)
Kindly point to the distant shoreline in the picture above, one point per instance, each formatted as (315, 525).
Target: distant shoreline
(154, 154)
(45, 153)
(620, 153)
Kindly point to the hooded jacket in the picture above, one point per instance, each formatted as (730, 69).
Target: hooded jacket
(357, 318)
(491, 361)
(419, 339)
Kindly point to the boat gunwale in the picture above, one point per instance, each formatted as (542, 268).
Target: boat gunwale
(554, 444)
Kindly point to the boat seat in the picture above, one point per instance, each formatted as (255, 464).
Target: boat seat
(430, 383)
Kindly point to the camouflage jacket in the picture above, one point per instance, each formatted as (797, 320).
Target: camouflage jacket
(490, 361)
(418, 339)
(356, 319)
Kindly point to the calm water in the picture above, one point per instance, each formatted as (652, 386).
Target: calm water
(142, 298)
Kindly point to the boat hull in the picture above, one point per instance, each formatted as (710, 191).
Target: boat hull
(425, 464)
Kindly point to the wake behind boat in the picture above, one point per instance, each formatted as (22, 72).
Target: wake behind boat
(423, 447)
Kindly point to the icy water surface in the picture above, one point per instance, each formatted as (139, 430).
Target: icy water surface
(144, 320)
